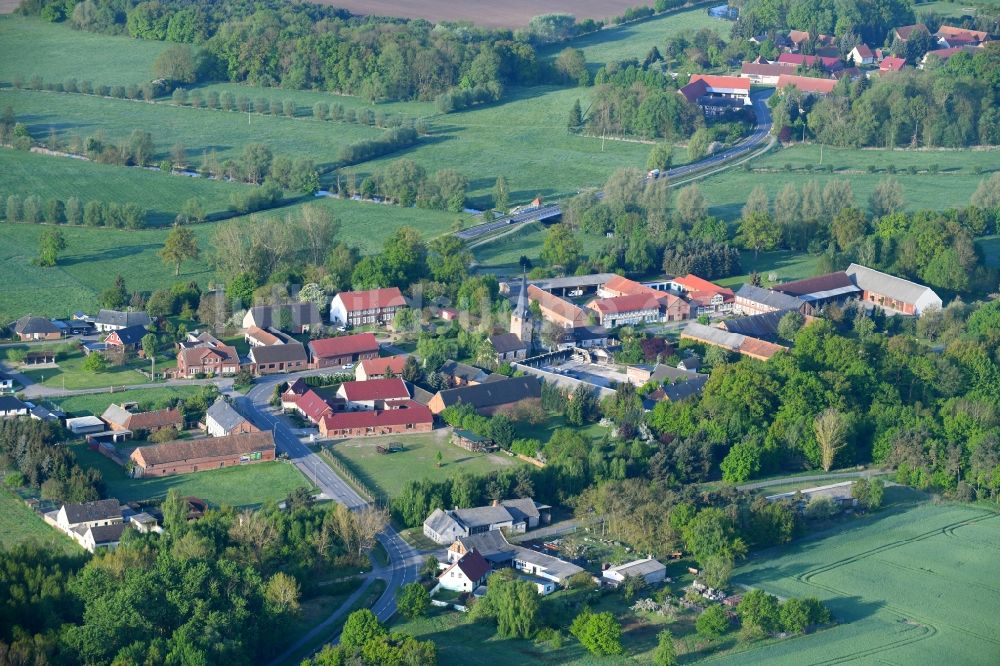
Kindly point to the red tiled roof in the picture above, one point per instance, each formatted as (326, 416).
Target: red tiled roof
(807, 84)
(892, 64)
(962, 33)
(347, 344)
(559, 306)
(713, 81)
(904, 31)
(313, 406)
(944, 54)
(798, 36)
(401, 413)
(808, 60)
(262, 336)
(392, 388)
(864, 51)
(379, 366)
(767, 68)
(627, 303)
(373, 298)
(759, 348)
(195, 355)
(692, 282)
(206, 447)
(160, 418)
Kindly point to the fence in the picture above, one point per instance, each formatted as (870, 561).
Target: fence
(343, 467)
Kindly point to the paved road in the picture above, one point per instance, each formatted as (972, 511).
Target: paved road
(834, 477)
(403, 559)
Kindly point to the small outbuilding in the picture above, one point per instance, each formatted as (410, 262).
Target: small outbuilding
(651, 570)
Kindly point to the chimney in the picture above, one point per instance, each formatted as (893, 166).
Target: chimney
(496, 502)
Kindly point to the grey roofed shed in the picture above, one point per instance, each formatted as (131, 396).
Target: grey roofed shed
(772, 299)
(286, 353)
(481, 516)
(224, 414)
(122, 319)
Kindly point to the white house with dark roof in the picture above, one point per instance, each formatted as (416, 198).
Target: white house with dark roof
(892, 293)
(115, 320)
(222, 419)
(93, 525)
(465, 574)
(516, 515)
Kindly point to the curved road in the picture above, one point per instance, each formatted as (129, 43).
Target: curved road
(403, 559)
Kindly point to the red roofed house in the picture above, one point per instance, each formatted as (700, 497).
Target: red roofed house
(556, 310)
(949, 36)
(118, 418)
(375, 306)
(374, 368)
(717, 94)
(372, 393)
(944, 54)
(703, 296)
(329, 352)
(295, 390)
(891, 64)
(209, 357)
(862, 55)
(799, 60)
(903, 33)
(399, 416)
(466, 574)
(626, 310)
(807, 84)
(312, 406)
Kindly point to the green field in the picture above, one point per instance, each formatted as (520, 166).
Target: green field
(198, 130)
(96, 403)
(236, 486)
(19, 524)
(502, 254)
(56, 52)
(914, 584)
(94, 256)
(389, 473)
(160, 194)
(70, 374)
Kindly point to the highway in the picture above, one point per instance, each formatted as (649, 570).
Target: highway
(404, 561)
(760, 135)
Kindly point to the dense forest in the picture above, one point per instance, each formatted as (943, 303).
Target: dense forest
(303, 45)
(871, 20)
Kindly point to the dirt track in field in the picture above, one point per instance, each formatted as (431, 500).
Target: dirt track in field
(509, 14)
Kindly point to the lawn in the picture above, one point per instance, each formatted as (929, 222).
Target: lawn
(783, 264)
(236, 486)
(96, 403)
(71, 375)
(56, 52)
(19, 524)
(94, 256)
(162, 195)
(914, 583)
(543, 431)
(502, 255)
(389, 473)
(198, 130)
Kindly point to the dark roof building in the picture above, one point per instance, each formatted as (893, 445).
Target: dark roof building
(293, 352)
(756, 300)
(505, 343)
(112, 320)
(489, 395)
(89, 512)
(129, 337)
(36, 328)
(298, 317)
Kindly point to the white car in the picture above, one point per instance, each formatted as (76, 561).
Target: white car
(349, 366)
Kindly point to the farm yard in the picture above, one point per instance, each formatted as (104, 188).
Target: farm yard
(388, 473)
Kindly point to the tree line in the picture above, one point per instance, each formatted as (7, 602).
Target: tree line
(31, 209)
(35, 449)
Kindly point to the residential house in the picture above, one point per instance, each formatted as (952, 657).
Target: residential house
(690, 363)
(496, 550)
(818, 292)
(508, 347)
(893, 293)
(377, 368)
(734, 342)
(358, 308)
(104, 536)
(36, 328)
(556, 310)
(587, 337)
(807, 84)
(861, 55)
(313, 406)
(343, 350)
(373, 393)
(704, 297)
(209, 356)
(517, 515)
(255, 336)
(462, 374)
(191, 455)
(891, 64)
(949, 36)
(113, 320)
(766, 73)
(291, 317)
(904, 32)
(282, 358)
(11, 407)
(630, 310)
(222, 419)
(291, 395)
(491, 396)
(393, 417)
(825, 63)
(942, 55)
(717, 94)
(465, 574)
(121, 419)
(127, 339)
(650, 570)
(93, 525)
(751, 300)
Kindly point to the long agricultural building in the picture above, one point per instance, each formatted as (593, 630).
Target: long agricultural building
(195, 455)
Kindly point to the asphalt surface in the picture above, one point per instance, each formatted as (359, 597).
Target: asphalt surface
(404, 561)
(760, 135)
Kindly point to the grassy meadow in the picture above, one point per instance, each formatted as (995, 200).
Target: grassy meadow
(19, 524)
(389, 473)
(162, 195)
(96, 403)
(56, 52)
(242, 485)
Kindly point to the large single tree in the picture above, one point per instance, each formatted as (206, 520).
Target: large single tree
(830, 428)
(179, 246)
(50, 244)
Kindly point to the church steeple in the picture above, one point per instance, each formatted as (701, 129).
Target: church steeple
(521, 323)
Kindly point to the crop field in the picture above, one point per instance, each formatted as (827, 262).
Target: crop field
(96, 403)
(243, 485)
(162, 195)
(390, 472)
(19, 524)
(511, 14)
(56, 52)
(198, 130)
(915, 583)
